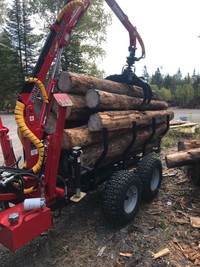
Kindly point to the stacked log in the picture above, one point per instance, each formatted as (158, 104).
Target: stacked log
(99, 104)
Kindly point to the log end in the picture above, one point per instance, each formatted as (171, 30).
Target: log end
(64, 81)
(95, 123)
(92, 98)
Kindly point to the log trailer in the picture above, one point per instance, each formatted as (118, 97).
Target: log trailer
(28, 195)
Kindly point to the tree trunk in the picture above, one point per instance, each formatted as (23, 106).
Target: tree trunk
(117, 145)
(115, 120)
(107, 101)
(79, 84)
(183, 158)
(188, 144)
(81, 136)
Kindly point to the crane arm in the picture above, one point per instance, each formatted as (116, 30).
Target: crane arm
(133, 34)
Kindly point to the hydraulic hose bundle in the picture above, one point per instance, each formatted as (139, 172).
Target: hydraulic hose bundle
(24, 130)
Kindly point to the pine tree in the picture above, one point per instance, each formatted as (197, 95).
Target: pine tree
(157, 79)
(11, 78)
(2, 12)
(15, 29)
(20, 34)
(145, 74)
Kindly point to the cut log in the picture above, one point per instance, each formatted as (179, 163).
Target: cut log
(101, 100)
(79, 111)
(188, 144)
(183, 158)
(81, 136)
(117, 145)
(69, 82)
(115, 120)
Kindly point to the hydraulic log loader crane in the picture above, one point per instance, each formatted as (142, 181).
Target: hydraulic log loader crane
(28, 194)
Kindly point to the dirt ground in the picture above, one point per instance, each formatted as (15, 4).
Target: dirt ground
(82, 237)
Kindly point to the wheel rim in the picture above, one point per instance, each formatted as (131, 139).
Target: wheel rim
(131, 199)
(155, 179)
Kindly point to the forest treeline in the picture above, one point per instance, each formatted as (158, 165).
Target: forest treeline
(24, 26)
(175, 89)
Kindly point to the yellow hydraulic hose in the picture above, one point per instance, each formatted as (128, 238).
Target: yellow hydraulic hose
(26, 190)
(19, 117)
(41, 86)
(69, 5)
(141, 43)
(24, 130)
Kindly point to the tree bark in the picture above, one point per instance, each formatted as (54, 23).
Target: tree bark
(81, 136)
(183, 158)
(117, 145)
(115, 120)
(107, 101)
(188, 144)
(69, 82)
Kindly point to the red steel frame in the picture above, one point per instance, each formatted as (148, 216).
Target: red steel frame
(31, 224)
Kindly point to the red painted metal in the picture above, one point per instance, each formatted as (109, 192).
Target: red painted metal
(8, 197)
(124, 20)
(5, 144)
(29, 225)
(54, 147)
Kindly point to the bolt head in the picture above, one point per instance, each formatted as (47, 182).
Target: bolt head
(13, 217)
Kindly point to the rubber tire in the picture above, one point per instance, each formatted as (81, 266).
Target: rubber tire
(145, 170)
(115, 194)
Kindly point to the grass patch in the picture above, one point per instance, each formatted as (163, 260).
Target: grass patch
(172, 138)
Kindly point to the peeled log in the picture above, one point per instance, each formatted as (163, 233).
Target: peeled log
(81, 136)
(79, 110)
(188, 144)
(117, 145)
(107, 101)
(115, 120)
(79, 84)
(183, 158)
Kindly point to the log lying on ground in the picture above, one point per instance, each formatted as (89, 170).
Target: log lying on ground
(183, 158)
(188, 144)
(82, 137)
(115, 120)
(101, 100)
(79, 110)
(117, 145)
(79, 84)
